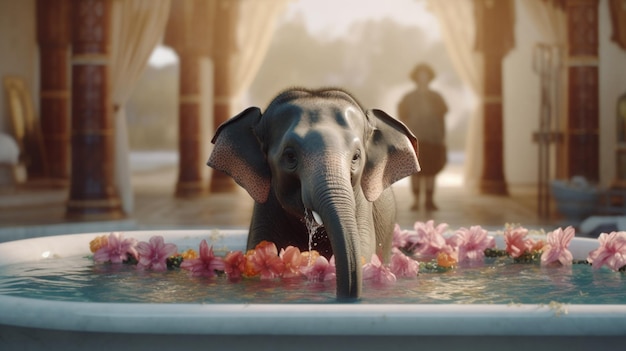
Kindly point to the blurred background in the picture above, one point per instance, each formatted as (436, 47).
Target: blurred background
(109, 105)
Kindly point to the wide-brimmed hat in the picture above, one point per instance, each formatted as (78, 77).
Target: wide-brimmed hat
(422, 67)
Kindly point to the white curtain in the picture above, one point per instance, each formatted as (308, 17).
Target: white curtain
(255, 28)
(550, 19)
(138, 26)
(457, 23)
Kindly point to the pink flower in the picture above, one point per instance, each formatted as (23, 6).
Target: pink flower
(612, 251)
(153, 254)
(556, 248)
(321, 270)
(235, 265)
(515, 239)
(402, 265)
(399, 237)
(116, 249)
(293, 260)
(265, 260)
(428, 240)
(206, 264)
(471, 244)
(376, 272)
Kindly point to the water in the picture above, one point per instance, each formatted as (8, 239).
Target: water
(498, 282)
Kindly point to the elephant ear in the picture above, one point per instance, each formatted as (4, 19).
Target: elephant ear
(238, 153)
(391, 154)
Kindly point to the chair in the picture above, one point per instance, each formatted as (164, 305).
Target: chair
(26, 130)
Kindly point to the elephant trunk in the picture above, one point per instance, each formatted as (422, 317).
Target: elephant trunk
(334, 202)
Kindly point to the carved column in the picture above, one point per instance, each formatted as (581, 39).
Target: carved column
(53, 36)
(227, 13)
(189, 33)
(582, 150)
(92, 191)
(494, 38)
(190, 140)
(492, 180)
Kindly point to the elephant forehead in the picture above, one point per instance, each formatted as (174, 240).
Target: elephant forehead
(333, 116)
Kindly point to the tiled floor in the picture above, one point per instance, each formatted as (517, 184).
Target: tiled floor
(36, 210)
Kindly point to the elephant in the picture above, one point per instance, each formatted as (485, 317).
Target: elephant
(317, 153)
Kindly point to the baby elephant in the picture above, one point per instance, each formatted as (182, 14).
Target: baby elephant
(318, 153)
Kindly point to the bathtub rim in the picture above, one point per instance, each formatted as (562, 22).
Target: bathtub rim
(292, 319)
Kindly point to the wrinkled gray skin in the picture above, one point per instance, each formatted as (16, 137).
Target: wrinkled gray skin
(319, 151)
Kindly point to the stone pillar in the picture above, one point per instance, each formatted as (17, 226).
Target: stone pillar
(492, 180)
(53, 36)
(494, 38)
(92, 191)
(190, 136)
(582, 150)
(224, 47)
(189, 33)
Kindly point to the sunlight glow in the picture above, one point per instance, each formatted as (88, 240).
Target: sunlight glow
(162, 56)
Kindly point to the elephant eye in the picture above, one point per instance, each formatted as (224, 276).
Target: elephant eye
(290, 158)
(356, 157)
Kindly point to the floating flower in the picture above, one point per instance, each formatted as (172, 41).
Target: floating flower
(515, 240)
(293, 261)
(265, 260)
(376, 272)
(534, 245)
(556, 249)
(249, 268)
(400, 237)
(98, 243)
(189, 254)
(309, 257)
(402, 265)
(446, 259)
(471, 244)
(320, 270)
(612, 251)
(116, 250)
(206, 264)
(428, 240)
(153, 254)
(235, 265)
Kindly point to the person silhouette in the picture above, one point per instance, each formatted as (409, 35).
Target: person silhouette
(423, 111)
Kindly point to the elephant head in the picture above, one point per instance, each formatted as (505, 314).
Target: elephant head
(318, 152)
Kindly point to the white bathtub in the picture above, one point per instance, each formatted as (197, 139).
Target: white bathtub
(32, 324)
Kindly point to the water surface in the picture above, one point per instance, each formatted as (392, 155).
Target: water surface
(497, 282)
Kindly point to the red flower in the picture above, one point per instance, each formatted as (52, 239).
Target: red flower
(265, 260)
(293, 261)
(206, 264)
(235, 265)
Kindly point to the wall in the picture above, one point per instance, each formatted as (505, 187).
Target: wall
(521, 104)
(18, 50)
(522, 97)
(612, 86)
